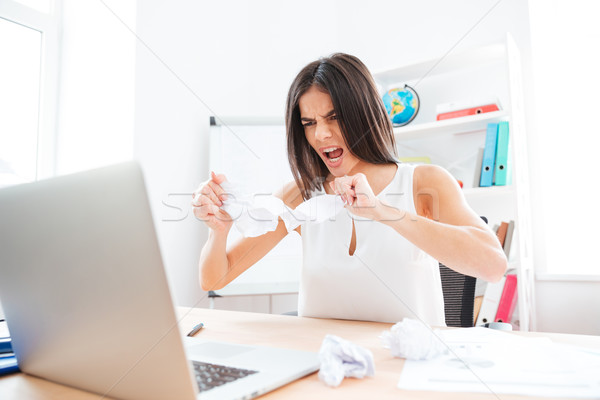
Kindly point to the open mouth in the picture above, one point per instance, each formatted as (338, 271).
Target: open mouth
(333, 154)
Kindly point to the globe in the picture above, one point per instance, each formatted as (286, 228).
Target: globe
(402, 105)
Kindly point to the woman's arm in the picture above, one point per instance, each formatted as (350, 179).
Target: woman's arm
(220, 265)
(445, 226)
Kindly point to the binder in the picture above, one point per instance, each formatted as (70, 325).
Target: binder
(468, 111)
(5, 345)
(8, 361)
(416, 160)
(489, 305)
(467, 106)
(509, 236)
(477, 307)
(508, 300)
(501, 233)
(478, 163)
(501, 163)
(489, 156)
(8, 365)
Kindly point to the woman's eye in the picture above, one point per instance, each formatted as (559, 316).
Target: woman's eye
(308, 124)
(333, 117)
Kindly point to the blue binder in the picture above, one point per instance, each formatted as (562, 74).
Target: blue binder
(501, 166)
(489, 156)
(5, 345)
(8, 365)
(8, 361)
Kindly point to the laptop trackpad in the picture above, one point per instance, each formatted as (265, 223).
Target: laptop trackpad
(217, 350)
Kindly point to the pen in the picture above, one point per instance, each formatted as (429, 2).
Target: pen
(196, 329)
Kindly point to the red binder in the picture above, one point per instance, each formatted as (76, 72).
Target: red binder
(468, 111)
(508, 300)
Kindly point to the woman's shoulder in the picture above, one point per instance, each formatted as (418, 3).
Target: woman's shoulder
(432, 176)
(429, 171)
(290, 194)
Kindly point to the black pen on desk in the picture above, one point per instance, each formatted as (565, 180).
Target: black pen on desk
(196, 329)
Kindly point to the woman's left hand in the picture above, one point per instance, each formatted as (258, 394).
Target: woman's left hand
(357, 195)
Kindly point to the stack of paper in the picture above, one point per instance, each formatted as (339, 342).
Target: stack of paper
(490, 361)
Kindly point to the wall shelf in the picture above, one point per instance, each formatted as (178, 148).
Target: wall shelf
(492, 191)
(480, 72)
(453, 126)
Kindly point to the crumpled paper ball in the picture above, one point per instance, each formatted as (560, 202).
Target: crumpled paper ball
(341, 358)
(413, 340)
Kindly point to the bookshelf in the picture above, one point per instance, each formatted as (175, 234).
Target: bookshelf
(492, 191)
(452, 126)
(486, 71)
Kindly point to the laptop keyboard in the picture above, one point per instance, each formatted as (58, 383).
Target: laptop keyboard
(209, 376)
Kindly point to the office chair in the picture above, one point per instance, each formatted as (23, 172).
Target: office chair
(459, 296)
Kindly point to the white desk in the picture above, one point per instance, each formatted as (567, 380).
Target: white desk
(289, 332)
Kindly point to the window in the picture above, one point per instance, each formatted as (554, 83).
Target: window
(19, 100)
(28, 78)
(565, 38)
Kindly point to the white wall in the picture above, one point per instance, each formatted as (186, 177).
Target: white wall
(238, 58)
(568, 305)
(201, 59)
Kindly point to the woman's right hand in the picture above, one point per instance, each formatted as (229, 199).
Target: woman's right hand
(207, 202)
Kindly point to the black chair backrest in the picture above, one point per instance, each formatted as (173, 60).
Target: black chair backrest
(459, 297)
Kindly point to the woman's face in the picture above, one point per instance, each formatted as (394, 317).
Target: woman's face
(323, 132)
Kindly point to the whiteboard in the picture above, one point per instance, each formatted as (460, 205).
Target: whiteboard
(254, 157)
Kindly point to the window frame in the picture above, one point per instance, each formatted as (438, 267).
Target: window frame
(48, 24)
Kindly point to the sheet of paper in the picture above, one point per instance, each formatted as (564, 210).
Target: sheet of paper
(489, 361)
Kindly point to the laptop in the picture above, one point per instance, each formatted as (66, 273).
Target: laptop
(88, 305)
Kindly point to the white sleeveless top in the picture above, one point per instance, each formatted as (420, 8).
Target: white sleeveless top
(388, 278)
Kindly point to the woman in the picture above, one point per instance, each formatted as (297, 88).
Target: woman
(379, 260)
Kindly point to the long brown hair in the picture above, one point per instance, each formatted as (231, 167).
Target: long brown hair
(363, 120)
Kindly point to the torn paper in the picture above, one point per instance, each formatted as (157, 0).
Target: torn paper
(256, 214)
